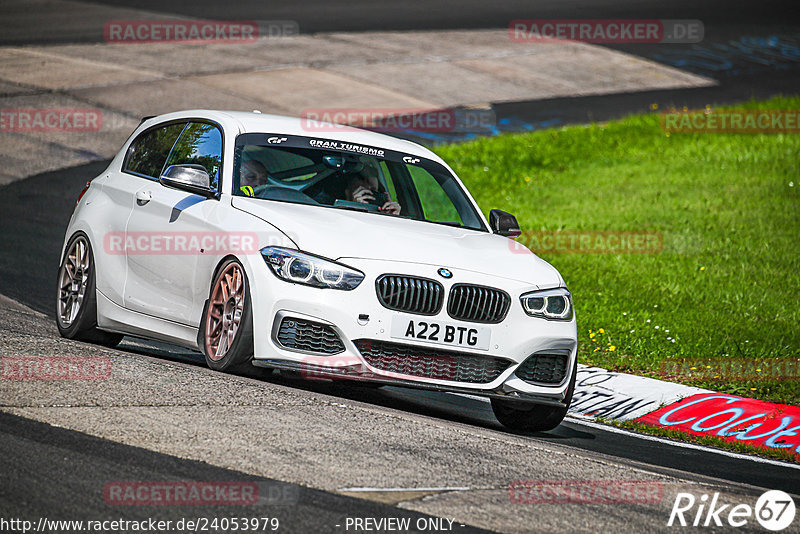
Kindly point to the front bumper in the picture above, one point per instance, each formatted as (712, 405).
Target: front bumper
(513, 340)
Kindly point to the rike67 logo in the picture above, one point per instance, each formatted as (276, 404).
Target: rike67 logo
(774, 510)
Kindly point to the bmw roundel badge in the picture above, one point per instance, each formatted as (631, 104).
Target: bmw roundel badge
(445, 273)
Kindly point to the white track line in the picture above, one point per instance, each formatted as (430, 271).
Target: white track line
(402, 489)
(685, 445)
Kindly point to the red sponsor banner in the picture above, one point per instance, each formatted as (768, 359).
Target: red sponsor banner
(184, 31)
(749, 421)
(50, 120)
(55, 368)
(180, 243)
(167, 493)
(585, 492)
(731, 121)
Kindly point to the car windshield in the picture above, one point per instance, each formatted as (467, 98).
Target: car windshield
(336, 174)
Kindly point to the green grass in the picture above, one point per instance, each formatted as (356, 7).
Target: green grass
(711, 441)
(727, 282)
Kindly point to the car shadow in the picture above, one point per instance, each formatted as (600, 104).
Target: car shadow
(466, 409)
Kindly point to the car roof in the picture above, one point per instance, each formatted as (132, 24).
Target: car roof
(254, 122)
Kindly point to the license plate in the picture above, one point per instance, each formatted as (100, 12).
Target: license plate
(453, 334)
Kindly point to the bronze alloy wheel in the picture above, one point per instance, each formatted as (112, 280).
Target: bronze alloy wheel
(73, 280)
(76, 306)
(225, 310)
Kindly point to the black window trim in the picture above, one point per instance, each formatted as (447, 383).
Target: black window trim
(186, 121)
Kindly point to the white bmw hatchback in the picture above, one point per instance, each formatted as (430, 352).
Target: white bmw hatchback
(333, 252)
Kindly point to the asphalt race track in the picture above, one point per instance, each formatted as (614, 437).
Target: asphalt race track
(729, 52)
(25, 442)
(722, 18)
(332, 452)
(37, 210)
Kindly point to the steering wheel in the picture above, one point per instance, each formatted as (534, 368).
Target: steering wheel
(361, 206)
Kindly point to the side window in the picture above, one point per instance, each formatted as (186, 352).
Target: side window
(436, 203)
(149, 151)
(387, 177)
(199, 144)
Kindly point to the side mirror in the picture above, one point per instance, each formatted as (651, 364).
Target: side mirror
(192, 178)
(503, 223)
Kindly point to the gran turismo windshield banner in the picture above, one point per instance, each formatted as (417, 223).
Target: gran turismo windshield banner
(298, 141)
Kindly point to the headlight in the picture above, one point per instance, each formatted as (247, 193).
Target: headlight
(553, 304)
(302, 268)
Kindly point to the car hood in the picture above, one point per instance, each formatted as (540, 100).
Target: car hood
(339, 234)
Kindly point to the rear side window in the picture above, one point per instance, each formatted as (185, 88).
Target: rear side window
(149, 151)
(199, 144)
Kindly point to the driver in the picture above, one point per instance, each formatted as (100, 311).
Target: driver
(251, 174)
(364, 187)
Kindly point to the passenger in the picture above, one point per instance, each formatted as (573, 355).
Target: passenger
(365, 187)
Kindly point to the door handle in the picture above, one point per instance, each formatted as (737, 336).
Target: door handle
(143, 197)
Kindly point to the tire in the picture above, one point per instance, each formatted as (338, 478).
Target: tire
(529, 417)
(76, 304)
(226, 331)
